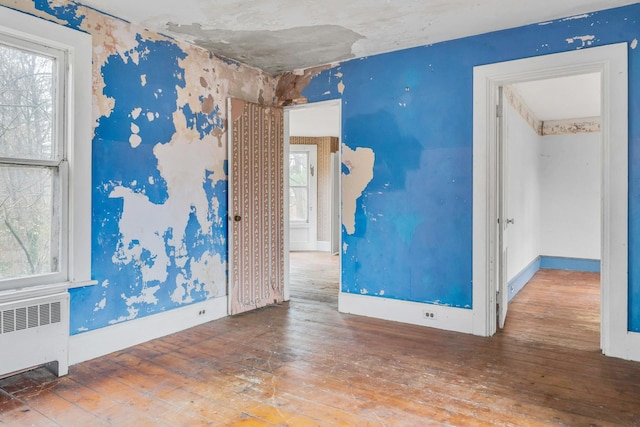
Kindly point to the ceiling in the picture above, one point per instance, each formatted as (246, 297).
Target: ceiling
(283, 35)
(573, 97)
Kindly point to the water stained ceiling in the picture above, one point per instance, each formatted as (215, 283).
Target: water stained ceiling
(283, 35)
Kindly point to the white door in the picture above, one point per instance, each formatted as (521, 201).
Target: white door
(303, 197)
(503, 219)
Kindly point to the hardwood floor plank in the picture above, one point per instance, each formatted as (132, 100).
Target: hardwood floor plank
(302, 363)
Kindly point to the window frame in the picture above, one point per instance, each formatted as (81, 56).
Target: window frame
(57, 163)
(74, 131)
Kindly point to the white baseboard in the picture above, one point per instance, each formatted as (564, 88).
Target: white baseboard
(302, 246)
(447, 318)
(323, 246)
(99, 342)
(633, 346)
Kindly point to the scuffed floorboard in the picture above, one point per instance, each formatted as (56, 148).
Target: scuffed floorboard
(303, 364)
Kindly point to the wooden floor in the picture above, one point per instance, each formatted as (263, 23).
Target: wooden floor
(303, 364)
(314, 276)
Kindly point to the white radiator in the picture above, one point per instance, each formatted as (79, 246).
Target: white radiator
(35, 332)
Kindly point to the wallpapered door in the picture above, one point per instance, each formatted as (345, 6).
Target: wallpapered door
(256, 206)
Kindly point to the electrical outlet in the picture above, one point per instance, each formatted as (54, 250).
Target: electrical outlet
(431, 315)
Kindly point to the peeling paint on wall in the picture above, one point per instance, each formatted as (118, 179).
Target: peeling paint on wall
(412, 231)
(357, 172)
(549, 127)
(159, 166)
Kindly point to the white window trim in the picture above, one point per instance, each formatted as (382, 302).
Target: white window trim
(78, 47)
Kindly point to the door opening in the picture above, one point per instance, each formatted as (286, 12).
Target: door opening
(611, 62)
(312, 229)
(549, 205)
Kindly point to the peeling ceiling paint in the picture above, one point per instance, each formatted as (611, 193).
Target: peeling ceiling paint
(263, 49)
(283, 35)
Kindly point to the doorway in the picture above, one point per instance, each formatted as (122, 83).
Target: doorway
(550, 200)
(312, 131)
(488, 215)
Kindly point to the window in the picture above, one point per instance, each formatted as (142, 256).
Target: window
(302, 183)
(44, 140)
(299, 186)
(32, 159)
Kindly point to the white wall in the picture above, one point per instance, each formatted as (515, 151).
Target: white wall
(553, 191)
(523, 192)
(312, 120)
(570, 188)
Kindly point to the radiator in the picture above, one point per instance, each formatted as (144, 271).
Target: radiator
(35, 332)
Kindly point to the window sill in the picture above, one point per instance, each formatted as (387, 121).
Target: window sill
(10, 295)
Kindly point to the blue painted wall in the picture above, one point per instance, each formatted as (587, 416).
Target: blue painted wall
(159, 200)
(413, 108)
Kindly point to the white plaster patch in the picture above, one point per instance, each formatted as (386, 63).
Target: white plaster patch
(341, 87)
(364, 291)
(146, 223)
(100, 305)
(178, 295)
(143, 79)
(381, 293)
(135, 128)
(634, 44)
(571, 18)
(105, 284)
(136, 113)
(135, 140)
(133, 313)
(209, 272)
(150, 116)
(148, 296)
(360, 163)
(584, 40)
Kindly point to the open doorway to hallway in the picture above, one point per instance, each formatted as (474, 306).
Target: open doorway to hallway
(611, 62)
(313, 135)
(550, 190)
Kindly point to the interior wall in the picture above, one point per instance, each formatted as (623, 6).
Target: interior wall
(159, 198)
(570, 170)
(317, 120)
(553, 192)
(523, 192)
(407, 137)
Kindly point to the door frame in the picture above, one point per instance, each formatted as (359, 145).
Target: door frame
(287, 110)
(611, 62)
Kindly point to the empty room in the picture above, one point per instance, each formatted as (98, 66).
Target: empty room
(283, 213)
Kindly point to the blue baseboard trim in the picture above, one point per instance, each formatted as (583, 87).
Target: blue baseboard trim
(516, 284)
(573, 264)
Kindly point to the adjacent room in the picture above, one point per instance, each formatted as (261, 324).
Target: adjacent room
(275, 213)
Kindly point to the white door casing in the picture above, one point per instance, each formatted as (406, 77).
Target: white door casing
(611, 62)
